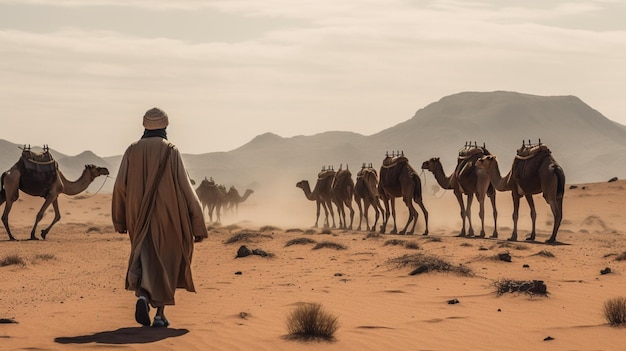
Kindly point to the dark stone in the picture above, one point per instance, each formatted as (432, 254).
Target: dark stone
(548, 338)
(505, 256)
(526, 266)
(573, 186)
(607, 270)
(453, 302)
(243, 251)
(614, 179)
(338, 274)
(238, 273)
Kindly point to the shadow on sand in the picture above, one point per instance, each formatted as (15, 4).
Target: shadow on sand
(135, 335)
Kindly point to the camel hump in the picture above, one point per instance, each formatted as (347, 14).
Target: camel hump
(326, 173)
(471, 151)
(41, 162)
(365, 171)
(389, 162)
(528, 151)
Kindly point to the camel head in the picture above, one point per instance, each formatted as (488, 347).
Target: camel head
(95, 171)
(431, 164)
(303, 184)
(486, 162)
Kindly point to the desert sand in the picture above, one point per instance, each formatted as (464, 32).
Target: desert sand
(69, 292)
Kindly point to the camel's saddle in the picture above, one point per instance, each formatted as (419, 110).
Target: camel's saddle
(395, 159)
(326, 172)
(531, 150)
(40, 162)
(366, 169)
(467, 156)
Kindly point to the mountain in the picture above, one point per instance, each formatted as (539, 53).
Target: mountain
(589, 146)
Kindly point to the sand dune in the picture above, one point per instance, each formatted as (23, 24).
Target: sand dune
(69, 291)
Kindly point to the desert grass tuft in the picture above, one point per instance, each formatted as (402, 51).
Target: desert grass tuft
(44, 257)
(310, 321)
(432, 239)
(310, 231)
(530, 287)
(615, 311)
(300, 241)
(329, 245)
(12, 259)
(268, 228)
(512, 245)
(294, 230)
(412, 245)
(545, 253)
(394, 242)
(428, 263)
(247, 237)
(373, 235)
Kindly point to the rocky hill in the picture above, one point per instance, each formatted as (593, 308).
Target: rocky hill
(589, 146)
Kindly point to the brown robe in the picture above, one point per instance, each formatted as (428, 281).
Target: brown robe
(161, 224)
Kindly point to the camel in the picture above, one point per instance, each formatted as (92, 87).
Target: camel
(212, 196)
(467, 180)
(321, 194)
(38, 175)
(343, 193)
(233, 199)
(366, 192)
(534, 171)
(399, 179)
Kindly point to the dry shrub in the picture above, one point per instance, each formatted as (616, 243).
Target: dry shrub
(615, 311)
(310, 231)
(247, 237)
(530, 287)
(44, 257)
(621, 257)
(12, 259)
(294, 230)
(433, 239)
(428, 263)
(311, 321)
(329, 245)
(373, 235)
(412, 245)
(544, 253)
(394, 242)
(93, 229)
(300, 241)
(268, 228)
(512, 245)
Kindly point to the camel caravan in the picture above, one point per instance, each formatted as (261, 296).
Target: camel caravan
(534, 171)
(214, 197)
(38, 174)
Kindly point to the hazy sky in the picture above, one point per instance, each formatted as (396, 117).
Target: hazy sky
(79, 74)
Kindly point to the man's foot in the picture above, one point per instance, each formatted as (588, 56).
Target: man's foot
(160, 322)
(141, 311)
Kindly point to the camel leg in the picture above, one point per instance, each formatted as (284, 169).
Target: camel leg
(393, 214)
(57, 217)
(40, 214)
(412, 216)
(326, 222)
(349, 205)
(515, 215)
(329, 204)
(383, 226)
(533, 216)
(421, 205)
(556, 205)
(378, 210)
(5, 219)
(317, 213)
(481, 213)
(459, 198)
(468, 211)
(361, 214)
(492, 197)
